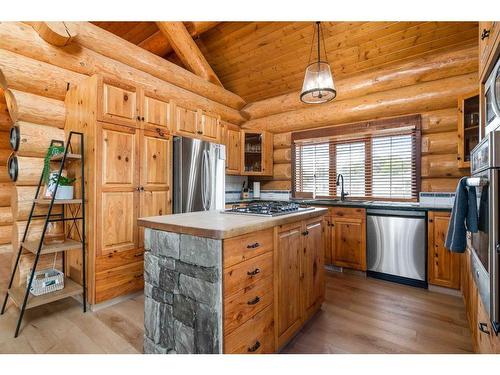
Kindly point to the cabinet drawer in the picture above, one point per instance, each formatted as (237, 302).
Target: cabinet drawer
(119, 281)
(239, 249)
(118, 259)
(241, 306)
(256, 336)
(247, 273)
(349, 212)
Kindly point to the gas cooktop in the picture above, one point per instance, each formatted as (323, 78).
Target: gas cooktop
(269, 209)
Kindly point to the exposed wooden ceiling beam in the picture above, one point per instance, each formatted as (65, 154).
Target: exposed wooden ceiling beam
(55, 33)
(159, 44)
(187, 50)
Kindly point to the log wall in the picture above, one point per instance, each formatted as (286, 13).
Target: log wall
(431, 91)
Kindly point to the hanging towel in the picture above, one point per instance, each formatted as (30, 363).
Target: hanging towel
(463, 217)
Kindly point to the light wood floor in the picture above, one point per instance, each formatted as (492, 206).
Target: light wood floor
(364, 315)
(359, 316)
(62, 327)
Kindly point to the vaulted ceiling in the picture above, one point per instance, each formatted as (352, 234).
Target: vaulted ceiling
(259, 60)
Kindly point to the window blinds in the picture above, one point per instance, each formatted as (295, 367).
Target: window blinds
(379, 165)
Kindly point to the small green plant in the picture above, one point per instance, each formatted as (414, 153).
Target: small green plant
(51, 151)
(63, 181)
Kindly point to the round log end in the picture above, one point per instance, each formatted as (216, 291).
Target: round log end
(14, 137)
(13, 167)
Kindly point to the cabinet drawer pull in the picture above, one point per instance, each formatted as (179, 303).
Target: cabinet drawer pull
(305, 233)
(253, 246)
(254, 272)
(255, 301)
(137, 255)
(483, 328)
(254, 347)
(485, 34)
(199, 132)
(138, 276)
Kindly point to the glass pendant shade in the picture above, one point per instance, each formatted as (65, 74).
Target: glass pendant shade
(318, 86)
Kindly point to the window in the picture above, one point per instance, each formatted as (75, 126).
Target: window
(350, 162)
(312, 168)
(378, 160)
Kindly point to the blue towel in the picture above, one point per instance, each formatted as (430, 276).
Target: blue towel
(463, 217)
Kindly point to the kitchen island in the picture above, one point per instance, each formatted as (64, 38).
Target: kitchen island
(225, 283)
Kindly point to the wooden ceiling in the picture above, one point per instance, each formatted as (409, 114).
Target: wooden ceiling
(259, 60)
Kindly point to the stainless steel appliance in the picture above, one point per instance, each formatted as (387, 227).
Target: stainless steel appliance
(199, 175)
(492, 99)
(268, 209)
(396, 246)
(485, 168)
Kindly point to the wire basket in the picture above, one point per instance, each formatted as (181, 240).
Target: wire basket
(46, 281)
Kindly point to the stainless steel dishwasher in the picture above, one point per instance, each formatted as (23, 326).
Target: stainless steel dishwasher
(396, 246)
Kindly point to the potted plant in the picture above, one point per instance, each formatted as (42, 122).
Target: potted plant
(47, 175)
(64, 186)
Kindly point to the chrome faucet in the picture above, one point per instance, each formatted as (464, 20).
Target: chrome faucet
(343, 194)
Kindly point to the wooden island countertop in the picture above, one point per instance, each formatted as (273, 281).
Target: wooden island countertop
(217, 225)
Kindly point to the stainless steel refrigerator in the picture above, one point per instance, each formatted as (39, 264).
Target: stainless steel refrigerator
(199, 175)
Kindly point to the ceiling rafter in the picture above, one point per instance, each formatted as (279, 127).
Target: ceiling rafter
(186, 49)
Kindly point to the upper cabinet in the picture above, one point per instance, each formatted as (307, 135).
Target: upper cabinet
(488, 35)
(209, 128)
(257, 153)
(233, 148)
(468, 127)
(186, 121)
(117, 102)
(155, 111)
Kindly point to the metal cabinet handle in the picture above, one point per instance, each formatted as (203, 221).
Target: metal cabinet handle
(136, 255)
(483, 328)
(255, 346)
(305, 233)
(485, 34)
(254, 272)
(254, 301)
(253, 246)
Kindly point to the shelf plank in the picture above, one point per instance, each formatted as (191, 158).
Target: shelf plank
(69, 157)
(58, 201)
(67, 245)
(70, 289)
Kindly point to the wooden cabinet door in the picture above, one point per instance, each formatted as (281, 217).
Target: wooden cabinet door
(186, 121)
(313, 282)
(210, 128)
(443, 265)
(155, 176)
(348, 241)
(117, 184)
(233, 149)
(327, 239)
(488, 38)
(117, 103)
(287, 280)
(154, 111)
(267, 156)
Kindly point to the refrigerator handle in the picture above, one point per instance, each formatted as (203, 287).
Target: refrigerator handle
(204, 183)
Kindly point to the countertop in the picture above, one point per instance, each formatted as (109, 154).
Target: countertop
(217, 225)
(409, 206)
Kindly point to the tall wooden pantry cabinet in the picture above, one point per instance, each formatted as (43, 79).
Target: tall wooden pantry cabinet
(128, 162)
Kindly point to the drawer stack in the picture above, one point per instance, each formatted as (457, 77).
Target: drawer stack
(248, 293)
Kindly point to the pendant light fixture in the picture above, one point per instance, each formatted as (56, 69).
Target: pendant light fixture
(318, 86)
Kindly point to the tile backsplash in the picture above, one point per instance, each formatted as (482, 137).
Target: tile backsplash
(233, 190)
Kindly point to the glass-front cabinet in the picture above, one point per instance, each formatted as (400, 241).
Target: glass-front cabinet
(257, 148)
(468, 127)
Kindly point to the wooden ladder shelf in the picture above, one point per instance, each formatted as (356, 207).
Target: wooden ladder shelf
(22, 297)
